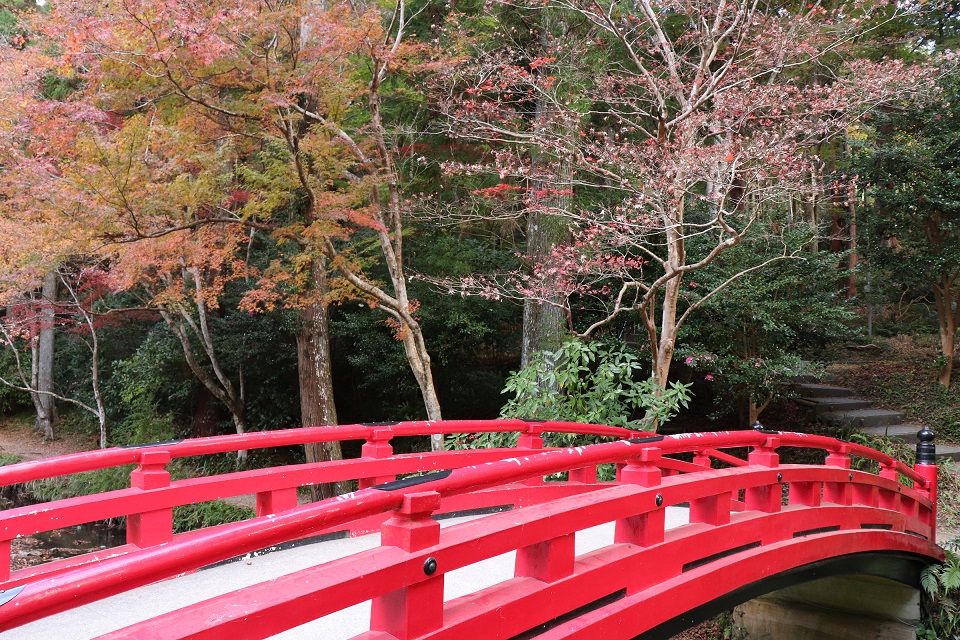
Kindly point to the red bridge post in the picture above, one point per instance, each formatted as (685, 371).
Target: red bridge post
(418, 608)
(713, 510)
(377, 446)
(4, 560)
(838, 492)
(889, 499)
(645, 529)
(769, 497)
(532, 438)
(271, 502)
(153, 527)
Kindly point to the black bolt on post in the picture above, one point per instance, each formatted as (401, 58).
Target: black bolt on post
(926, 447)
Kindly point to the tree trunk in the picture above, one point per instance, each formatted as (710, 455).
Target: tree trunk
(416, 351)
(206, 413)
(948, 315)
(44, 403)
(676, 258)
(852, 260)
(317, 407)
(544, 324)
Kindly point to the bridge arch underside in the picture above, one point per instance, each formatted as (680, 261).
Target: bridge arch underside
(900, 573)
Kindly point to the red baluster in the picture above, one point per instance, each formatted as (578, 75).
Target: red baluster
(270, 502)
(4, 560)
(767, 498)
(417, 608)
(838, 492)
(153, 527)
(532, 439)
(645, 529)
(547, 561)
(377, 446)
(926, 466)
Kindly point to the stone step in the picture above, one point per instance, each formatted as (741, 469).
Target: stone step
(948, 452)
(863, 418)
(812, 391)
(904, 432)
(826, 405)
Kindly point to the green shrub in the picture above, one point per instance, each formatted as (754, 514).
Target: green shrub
(207, 514)
(590, 382)
(939, 604)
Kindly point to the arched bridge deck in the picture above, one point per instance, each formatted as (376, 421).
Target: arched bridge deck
(753, 525)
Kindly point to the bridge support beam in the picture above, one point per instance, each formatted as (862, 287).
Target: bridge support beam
(838, 608)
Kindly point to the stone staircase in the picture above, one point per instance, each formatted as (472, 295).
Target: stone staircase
(840, 406)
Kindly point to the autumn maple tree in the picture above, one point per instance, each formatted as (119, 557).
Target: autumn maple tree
(36, 243)
(281, 107)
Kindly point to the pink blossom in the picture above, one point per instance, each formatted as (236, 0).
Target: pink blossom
(689, 359)
(708, 377)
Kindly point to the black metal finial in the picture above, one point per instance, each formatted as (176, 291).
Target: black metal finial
(926, 447)
(757, 426)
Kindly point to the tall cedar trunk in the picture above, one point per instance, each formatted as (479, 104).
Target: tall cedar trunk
(852, 259)
(317, 407)
(948, 315)
(44, 403)
(544, 322)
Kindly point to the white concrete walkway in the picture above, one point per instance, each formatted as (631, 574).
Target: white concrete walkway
(90, 621)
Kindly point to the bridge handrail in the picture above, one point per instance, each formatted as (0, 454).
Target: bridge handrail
(383, 432)
(148, 565)
(375, 432)
(729, 439)
(29, 520)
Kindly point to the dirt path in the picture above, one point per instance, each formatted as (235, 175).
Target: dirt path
(19, 438)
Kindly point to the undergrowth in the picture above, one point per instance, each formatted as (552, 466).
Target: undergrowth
(940, 597)
(906, 380)
(185, 518)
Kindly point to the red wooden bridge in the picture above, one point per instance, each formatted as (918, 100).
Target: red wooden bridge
(754, 525)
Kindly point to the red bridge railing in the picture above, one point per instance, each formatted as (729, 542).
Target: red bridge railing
(737, 514)
(148, 504)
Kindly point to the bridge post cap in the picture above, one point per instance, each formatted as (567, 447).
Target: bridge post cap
(534, 427)
(757, 426)
(926, 447)
(650, 454)
(154, 457)
(422, 502)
